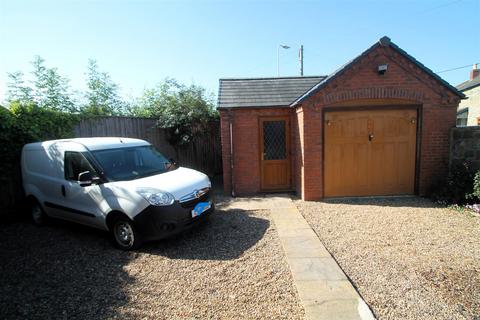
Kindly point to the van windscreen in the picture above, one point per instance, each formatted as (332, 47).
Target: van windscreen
(131, 162)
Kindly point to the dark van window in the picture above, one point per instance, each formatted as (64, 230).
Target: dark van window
(76, 163)
(130, 163)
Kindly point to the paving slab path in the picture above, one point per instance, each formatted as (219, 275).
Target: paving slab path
(323, 287)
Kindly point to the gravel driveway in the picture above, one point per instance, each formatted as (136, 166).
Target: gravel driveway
(409, 258)
(231, 267)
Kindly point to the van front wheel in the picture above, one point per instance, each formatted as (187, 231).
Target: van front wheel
(125, 235)
(37, 214)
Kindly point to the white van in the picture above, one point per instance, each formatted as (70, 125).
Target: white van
(121, 185)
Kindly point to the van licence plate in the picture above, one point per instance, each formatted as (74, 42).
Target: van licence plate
(200, 208)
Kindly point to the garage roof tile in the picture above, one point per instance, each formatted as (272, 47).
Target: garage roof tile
(263, 92)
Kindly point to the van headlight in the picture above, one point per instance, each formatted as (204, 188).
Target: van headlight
(156, 197)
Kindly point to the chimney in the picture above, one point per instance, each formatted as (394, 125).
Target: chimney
(475, 72)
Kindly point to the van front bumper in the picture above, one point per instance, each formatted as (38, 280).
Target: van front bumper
(159, 222)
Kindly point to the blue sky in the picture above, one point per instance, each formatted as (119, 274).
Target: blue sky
(142, 42)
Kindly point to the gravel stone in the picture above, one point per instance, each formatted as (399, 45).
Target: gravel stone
(231, 267)
(408, 257)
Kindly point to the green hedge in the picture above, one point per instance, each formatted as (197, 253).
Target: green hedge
(24, 123)
(21, 124)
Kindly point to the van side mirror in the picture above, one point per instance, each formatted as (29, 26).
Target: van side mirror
(171, 164)
(86, 179)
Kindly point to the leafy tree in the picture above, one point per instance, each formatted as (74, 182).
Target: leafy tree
(48, 88)
(178, 108)
(51, 90)
(102, 94)
(17, 90)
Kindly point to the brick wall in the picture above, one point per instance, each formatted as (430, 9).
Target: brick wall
(313, 155)
(297, 147)
(246, 162)
(359, 85)
(465, 146)
(434, 153)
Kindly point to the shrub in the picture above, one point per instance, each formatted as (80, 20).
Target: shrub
(20, 124)
(184, 111)
(11, 139)
(476, 187)
(42, 123)
(27, 122)
(457, 187)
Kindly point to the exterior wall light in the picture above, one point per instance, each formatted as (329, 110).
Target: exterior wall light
(382, 68)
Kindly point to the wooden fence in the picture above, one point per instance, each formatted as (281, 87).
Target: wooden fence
(203, 153)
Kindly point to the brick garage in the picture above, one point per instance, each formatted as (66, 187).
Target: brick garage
(359, 131)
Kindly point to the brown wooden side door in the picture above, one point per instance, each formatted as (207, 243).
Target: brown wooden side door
(275, 153)
(370, 152)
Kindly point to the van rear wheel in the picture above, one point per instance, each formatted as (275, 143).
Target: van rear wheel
(36, 212)
(125, 234)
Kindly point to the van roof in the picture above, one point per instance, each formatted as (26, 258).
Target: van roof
(95, 143)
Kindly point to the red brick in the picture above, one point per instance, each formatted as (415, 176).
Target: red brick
(402, 82)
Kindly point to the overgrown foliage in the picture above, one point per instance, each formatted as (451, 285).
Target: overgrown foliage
(27, 122)
(50, 90)
(183, 110)
(178, 108)
(458, 187)
(102, 97)
(476, 187)
(18, 90)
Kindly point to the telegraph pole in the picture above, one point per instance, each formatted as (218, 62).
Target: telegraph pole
(300, 57)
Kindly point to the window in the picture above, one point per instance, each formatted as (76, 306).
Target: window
(131, 163)
(462, 117)
(274, 145)
(462, 122)
(76, 163)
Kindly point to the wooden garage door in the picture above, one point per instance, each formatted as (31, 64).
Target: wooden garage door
(370, 152)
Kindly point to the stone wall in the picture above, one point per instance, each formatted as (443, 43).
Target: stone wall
(465, 146)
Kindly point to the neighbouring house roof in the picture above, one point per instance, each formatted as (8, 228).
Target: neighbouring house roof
(263, 92)
(384, 41)
(469, 84)
(462, 111)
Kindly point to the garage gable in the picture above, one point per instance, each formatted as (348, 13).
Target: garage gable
(389, 55)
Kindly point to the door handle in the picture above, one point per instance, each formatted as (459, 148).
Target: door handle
(64, 191)
(370, 137)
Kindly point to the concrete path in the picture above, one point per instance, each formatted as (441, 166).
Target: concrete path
(325, 291)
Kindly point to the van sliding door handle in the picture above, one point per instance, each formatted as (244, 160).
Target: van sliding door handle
(64, 192)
